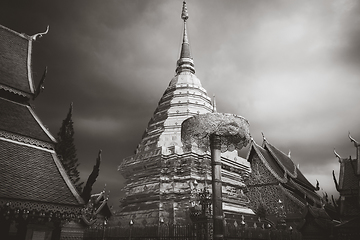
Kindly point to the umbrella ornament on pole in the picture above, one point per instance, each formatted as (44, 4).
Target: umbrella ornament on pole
(232, 129)
(217, 132)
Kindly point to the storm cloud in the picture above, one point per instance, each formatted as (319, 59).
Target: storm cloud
(292, 68)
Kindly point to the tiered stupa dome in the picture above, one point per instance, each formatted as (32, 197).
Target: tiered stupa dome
(162, 176)
(183, 98)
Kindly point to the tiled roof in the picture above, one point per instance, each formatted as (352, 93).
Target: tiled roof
(348, 179)
(15, 59)
(33, 174)
(279, 163)
(288, 165)
(20, 119)
(270, 161)
(282, 158)
(311, 194)
(301, 179)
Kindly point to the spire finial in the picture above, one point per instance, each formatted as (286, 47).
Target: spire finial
(185, 62)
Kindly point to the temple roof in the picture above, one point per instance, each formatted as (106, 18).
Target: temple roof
(15, 62)
(304, 192)
(282, 159)
(34, 174)
(32, 177)
(279, 164)
(288, 165)
(268, 160)
(20, 119)
(290, 178)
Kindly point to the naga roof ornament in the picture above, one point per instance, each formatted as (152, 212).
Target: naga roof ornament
(338, 156)
(33, 37)
(356, 143)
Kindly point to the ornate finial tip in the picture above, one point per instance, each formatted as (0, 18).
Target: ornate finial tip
(263, 136)
(184, 13)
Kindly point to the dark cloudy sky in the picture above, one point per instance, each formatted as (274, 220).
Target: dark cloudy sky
(292, 68)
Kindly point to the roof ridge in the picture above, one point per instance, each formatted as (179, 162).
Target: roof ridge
(23, 35)
(37, 119)
(66, 178)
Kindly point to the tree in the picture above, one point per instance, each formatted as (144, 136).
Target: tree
(66, 150)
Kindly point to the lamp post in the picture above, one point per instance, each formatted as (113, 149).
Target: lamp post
(104, 228)
(131, 223)
(219, 132)
(160, 229)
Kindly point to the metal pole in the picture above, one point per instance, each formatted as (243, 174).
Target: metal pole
(218, 218)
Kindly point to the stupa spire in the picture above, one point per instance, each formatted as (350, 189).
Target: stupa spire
(185, 62)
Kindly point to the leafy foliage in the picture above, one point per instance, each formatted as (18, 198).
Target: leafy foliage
(66, 150)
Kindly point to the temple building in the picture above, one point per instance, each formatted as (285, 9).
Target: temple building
(282, 195)
(163, 178)
(36, 195)
(37, 198)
